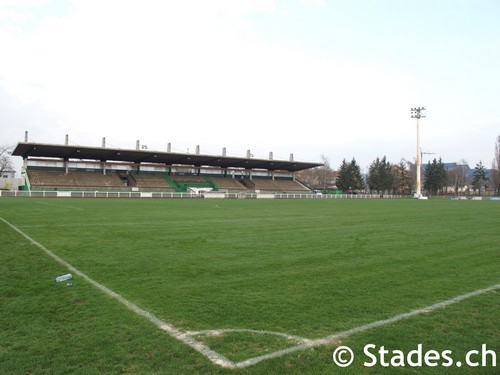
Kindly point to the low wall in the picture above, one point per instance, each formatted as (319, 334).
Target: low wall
(207, 195)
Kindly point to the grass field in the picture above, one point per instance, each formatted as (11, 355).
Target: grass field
(245, 279)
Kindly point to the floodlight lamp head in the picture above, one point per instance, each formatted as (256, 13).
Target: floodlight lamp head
(416, 112)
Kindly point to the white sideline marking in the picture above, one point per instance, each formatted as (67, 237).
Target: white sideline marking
(333, 338)
(219, 359)
(170, 329)
(217, 332)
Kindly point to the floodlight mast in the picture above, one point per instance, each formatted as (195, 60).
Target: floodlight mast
(417, 113)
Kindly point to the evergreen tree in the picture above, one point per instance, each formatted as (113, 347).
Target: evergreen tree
(380, 176)
(480, 179)
(359, 183)
(435, 176)
(343, 181)
(349, 177)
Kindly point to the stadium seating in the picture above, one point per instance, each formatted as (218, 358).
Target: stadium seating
(278, 185)
(231, 185)
(150, 182)
(113, 181)
(291, 186)
(188, 179)
(54, 180)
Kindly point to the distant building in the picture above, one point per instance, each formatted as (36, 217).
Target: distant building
(8, 180)
(8, 174)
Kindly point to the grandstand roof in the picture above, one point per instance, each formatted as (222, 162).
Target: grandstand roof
(66, 152)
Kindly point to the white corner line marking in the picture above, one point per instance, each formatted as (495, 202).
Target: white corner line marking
(170, 329)
(333, 338)
(218, 359)
(217, 332)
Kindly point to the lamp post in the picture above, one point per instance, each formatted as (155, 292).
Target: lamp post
(417, 113)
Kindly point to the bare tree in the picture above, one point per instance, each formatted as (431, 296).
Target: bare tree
(324, 172)
(457, 177)
(404, 179)
(5, 162)
(322, 177)
(495, 173)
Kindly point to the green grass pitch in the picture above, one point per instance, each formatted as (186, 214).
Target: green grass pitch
(297, 269)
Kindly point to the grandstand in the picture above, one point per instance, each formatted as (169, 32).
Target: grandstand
(55, 167)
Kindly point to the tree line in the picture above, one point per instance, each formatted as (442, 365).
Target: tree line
(384, 177)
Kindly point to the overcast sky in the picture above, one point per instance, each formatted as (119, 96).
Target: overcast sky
(309, 77)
